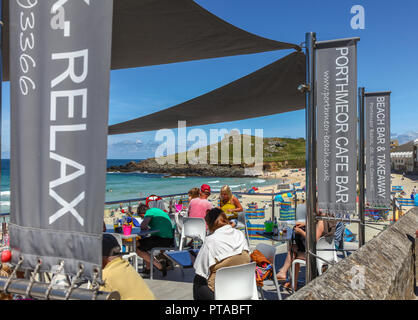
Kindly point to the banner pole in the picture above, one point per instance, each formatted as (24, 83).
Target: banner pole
(362, 234)
(310, 116)
(394, 209)
(1, 78)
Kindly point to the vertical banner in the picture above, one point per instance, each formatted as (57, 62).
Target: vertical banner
(377, 127)
(336, 101)
(59, 78)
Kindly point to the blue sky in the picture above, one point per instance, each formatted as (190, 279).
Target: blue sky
(387, 60)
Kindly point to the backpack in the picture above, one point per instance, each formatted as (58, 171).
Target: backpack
(263, 267)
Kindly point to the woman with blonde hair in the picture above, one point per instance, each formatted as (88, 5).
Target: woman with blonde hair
(230, 205)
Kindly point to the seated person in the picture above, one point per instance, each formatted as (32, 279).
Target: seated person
(230, 205)
(119, 275)
(297, 251)
(5, 272)
(224, 247)
(154, 218)
(193, 193)
(199, 206)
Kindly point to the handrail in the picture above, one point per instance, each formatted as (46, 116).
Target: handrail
(185, 193)
(19, 286)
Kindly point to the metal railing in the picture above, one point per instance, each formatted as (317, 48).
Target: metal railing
(39, 290)
(273, 195)
(215, 192)
(4, 216)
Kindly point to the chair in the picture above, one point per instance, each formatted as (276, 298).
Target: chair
(236, 283)
(174, 223)
(293, 271)
(329, 254)
(192, 228)
(270, 253)
(300, 212)
(182, 258)
(174, 247)
(178, 221)
(352, 246)
(242, 223)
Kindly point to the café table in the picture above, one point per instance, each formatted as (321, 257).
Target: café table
(285, 237)
(136, 231)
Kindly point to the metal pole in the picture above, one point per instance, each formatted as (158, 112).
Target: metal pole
(1, 77)
(394, 210)
(310, 116)
(38, 290)
(361, 227)
(296, 202)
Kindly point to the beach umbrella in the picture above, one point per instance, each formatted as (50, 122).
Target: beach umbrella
(278, 198)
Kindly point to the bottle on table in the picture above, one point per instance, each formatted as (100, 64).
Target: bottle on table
(275, 227)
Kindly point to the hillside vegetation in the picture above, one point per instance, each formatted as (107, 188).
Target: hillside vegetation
(277, 152)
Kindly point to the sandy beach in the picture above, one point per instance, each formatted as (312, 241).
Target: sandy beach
(408, 183)
(290, 176)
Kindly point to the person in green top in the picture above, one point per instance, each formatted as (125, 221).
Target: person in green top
(154, 218)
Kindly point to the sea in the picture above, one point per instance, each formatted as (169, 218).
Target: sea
(135, 185)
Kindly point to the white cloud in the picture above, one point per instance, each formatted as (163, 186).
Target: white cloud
(405, 137)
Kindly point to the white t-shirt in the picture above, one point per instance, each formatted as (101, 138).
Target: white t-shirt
(225, 242)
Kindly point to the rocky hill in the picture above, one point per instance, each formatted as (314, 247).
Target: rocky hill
(278, 153)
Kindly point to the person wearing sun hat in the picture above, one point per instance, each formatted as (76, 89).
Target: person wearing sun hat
(119, 275)
(199, 206)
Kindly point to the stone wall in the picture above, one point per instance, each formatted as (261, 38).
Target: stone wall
(387, 262)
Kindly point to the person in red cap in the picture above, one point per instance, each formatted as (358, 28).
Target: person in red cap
(199, 206)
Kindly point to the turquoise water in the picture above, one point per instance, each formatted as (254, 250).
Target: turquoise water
(125, 186)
